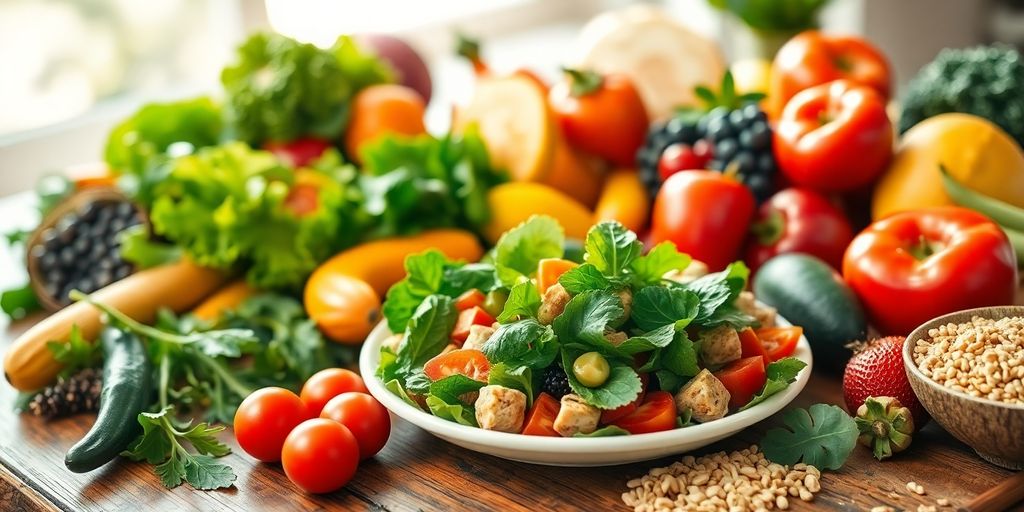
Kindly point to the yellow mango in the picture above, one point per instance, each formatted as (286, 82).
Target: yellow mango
(513, 203)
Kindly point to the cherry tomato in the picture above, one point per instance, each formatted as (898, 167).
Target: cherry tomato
(779, 342)
(813, 58)
(379, 110)
(601, 114)
(609, 416)
(751, 344)
(706, 214)
(466, 361)
(684, 157)
(540, 420)
(264, 419)
(320, 455)
(470, 299)
(299, 152)
(656, 414)
(468, 318)
(743, 378)
(365, 417)
(798, 220)
(327, 384)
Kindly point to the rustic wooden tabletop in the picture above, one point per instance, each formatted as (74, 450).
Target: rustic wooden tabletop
(416, 471)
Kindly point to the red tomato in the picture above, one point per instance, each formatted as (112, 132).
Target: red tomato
(813, 58)
(601, 115)
(264, 419)
(299, 152)
(365, 417)
(834, 137)
(656, 414)
(609, 416)
(327, 384)
(468, 318)
(320, 456)
(779, 342)
(684, 157)
(705, 213)
(743, 378)
(465, 361)
(469, 299)
(542, 416)
(798, 220)
(751, 344)
(913, 266)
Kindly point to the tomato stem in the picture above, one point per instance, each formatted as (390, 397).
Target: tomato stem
(583, 82)
(923, 248)
(469, 47)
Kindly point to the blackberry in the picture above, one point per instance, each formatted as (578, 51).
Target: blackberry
(732, 134)
(556, 382)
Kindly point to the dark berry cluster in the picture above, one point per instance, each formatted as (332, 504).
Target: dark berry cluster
(556, 382)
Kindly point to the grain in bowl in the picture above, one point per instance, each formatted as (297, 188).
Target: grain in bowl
(982, 358)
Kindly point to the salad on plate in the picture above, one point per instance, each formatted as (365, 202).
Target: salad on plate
(546, 338)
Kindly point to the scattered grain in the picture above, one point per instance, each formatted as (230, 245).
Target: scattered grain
(942, 502)
(915, 488)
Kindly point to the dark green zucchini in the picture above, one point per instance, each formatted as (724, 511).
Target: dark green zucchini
(127, 381)
(809, 293)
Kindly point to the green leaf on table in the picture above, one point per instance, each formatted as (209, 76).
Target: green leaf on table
(622, 387)
(582, 278)
(203, 472)
(656, 306)
(519, 250)
(822, 436)
(17, 303)
(611, 248)
(171, 472)
(780, 375)
(459, 413)
(76, 353)
(153, 445)
(523, 343)
(203, 438)
(663, 258)
(520, 377)
(162, 444)
(523, 302)
(609, 431)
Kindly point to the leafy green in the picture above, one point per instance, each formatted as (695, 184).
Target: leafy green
(822, 436)
(586, 318)
(451, 388)
(611, 248)
(426, 335)
(137, 247)
(658, 338)
(582, 278)
(521, 378)
(523, 343)
(423, 182)
(163, 443)
(786, 16)
(622, 387)
(664, 257)
(609, 431)
(280, 89)
(674, 363)
(226, 207)
(395, 387)
(655, 306)
(460, 413)
(717, 293)
(19, 302)
(523, 302)
(519, 250)
(780, 374)
(76, 353)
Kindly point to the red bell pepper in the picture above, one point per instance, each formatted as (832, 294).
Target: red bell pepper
(914, 266)
(798, 220)
(834, 137)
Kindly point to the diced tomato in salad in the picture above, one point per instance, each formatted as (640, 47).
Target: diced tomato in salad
(743, 378)
(656, 414)
(751, 344)
(469, 362)
(541, 419)
(472, 298)
(779, 342)
(468, 318)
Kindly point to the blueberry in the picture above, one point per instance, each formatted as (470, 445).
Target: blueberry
(104, 277)
(104, 215)
(124, 210)
(86, 284)
(718, 130)
(760, 185)
(766, 164)
(48, 260)
(117, 225)
(744, 161)
(754, 113)
(122, 272)
(97, 251)
(88, 212)
(106, 264)
(717, 165)
(726, 149)
(66, 228)
(50, 240)
(67, 256)
(54, 276)
(737, 120)
(760, 136)
(81, 246)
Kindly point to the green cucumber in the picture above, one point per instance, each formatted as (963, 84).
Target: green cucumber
(127, 381)
(809, 293)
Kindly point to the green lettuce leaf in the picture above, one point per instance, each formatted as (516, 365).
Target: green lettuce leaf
(523, 302)
(583, 278)
(521, 378)
(611, 248)
(780, 375)
(523, 343)
(663, 258)
(519, 250)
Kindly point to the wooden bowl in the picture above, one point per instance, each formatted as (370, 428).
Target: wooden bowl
(995, 430)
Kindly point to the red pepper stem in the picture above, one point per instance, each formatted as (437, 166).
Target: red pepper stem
(922, 249)
(583, 82)
(469, 48)
(769, 230)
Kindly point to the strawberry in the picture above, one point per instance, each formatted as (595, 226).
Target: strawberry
(876, 369)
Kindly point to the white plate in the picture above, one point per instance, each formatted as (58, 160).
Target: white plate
(558, 451)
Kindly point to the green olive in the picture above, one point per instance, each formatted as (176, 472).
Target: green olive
(591, 369)
(494, 302)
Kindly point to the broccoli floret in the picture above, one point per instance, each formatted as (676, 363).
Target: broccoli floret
(987, 81)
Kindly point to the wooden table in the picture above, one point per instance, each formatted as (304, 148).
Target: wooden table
(416, 471)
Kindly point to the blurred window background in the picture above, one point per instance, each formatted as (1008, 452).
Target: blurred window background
(69, 69)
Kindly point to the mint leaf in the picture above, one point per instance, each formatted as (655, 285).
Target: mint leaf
(582, 278)
(622, 387)
(663, 258)
(822, 436)
(523, 343)
(459, 413)
(655, 306)
(609, 431)
(520, 378)
(523, 302)
(427, 333)
(520, 249)
(780, 375)
(611, 247)
(452, 387)
(585, 319)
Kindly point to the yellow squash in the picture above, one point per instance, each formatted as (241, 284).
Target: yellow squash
(977, 153)
(624, 199)
(29, 364)
(225, 299)
(513, 203)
